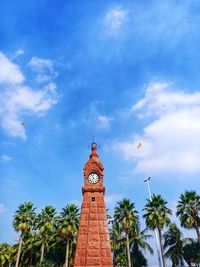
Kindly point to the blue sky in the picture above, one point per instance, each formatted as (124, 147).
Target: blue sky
(122, 71)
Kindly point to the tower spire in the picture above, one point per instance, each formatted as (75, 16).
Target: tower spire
(94, 150)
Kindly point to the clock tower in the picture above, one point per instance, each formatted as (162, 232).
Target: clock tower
(93, 244)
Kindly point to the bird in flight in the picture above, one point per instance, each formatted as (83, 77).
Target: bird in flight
(23, 124)
(139, 145)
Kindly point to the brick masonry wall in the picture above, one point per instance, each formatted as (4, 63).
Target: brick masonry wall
(93, 244)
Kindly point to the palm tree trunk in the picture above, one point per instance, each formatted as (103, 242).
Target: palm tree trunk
(161, 247)
(67, 254)
(42, 252)
(197, 231)
(128, 250)
(19, 251)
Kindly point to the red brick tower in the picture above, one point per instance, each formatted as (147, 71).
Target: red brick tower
(93, 244)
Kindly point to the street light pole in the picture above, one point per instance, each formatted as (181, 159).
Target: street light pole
(155, 231)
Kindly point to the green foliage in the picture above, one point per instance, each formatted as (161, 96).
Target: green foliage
(56, 232)
(157, 217)
(156, 213)
(127, 221)
(118, 245)
(30, 249)
(67, 226)
(138, 245)
(188, 211)
(191, 253)
(45, 221)
(173, 244)
(45, 224)
(138, 241)
(126, 215)
(68, 221)
(24, 218)
(23, 221)
(13, 253)
(46, 263)
(120, 259)
(5, 254)
(138, 259)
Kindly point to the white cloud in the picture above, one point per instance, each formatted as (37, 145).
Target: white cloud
(160, 99)
(114, 20)
(103, 121)
(10, 73)
(170, 142)
(43, 78)
(43, 68)
(40, 64)
(5, 158)
(24, 100)
(168, 21)
(18, 53)
(94, 117)
(2, 208)
(18, 99)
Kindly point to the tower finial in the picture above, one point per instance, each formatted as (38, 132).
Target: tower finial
(93, 144)
(93, 149)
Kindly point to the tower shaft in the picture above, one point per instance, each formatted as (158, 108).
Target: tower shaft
(93, 243)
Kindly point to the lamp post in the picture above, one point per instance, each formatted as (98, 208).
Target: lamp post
(155, 231)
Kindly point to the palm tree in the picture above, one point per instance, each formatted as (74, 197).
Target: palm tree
(68, 223)
(191, 253)
(173, 244)
(121, 259)
(138, 258)
(4, 255)
(57, 251)
(118, 246)
(13, 253)
(188, 211)
(45, 223)
(31, 251)
(126, 215)
(157, 216)
(24, 219)
(72, 252)
(138, 242)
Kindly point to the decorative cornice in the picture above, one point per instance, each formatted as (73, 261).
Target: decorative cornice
(92, 190)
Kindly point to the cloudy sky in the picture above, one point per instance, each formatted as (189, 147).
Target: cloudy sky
(126, 72)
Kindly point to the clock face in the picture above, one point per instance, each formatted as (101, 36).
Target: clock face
(93, 178)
